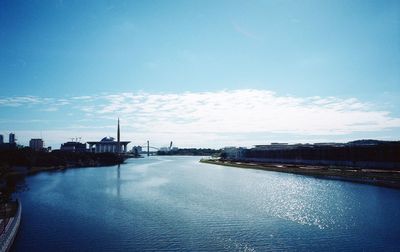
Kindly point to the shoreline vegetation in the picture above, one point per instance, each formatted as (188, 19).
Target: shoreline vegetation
(18, 163)
(386, 178)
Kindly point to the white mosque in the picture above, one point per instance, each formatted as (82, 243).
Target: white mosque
(108, 144)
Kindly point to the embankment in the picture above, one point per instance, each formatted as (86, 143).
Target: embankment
(387, 178)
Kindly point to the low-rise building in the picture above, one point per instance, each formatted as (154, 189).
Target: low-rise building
(234, 152)
(36, 144)
(165, 149)
(136, 150)
(73, 147)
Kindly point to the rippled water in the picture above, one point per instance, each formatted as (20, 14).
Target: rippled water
(176, 203)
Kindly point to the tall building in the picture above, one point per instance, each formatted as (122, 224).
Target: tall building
(36, 144)
(11, 145)
(108, 144)
(11, 138)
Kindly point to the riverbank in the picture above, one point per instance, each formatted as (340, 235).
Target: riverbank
(16, 164)
(386, 178)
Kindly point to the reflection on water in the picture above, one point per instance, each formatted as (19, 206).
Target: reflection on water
(176, 203)
(118, 180)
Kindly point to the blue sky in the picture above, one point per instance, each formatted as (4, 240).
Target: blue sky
(284, 65)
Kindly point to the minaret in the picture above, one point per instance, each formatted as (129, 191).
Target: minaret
(118, 139)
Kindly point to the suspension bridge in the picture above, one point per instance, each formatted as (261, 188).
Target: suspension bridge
(146, 146)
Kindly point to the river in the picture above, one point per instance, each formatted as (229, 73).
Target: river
(176, 203)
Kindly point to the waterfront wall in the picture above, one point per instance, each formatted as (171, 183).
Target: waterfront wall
(7, 238)
(379, 156)
(341, 163)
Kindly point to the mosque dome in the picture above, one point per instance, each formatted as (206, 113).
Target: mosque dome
(107, 139)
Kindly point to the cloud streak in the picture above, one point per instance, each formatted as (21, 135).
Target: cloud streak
(20, 101)
(244, 32)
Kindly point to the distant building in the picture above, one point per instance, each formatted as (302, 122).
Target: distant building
(234, 152)
(108, 144)
(11, 138)
(73, 147)
(164, 149)
(36, 144)
(286, 146)
(137, 149)
(11, 145)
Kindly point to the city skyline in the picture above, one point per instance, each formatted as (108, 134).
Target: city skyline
(200, 73)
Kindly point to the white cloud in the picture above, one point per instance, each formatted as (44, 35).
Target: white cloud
(83, 98)
(50, 109)
(220, 118)
(242, 111)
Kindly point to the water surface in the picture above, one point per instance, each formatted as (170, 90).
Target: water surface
(177, 203)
